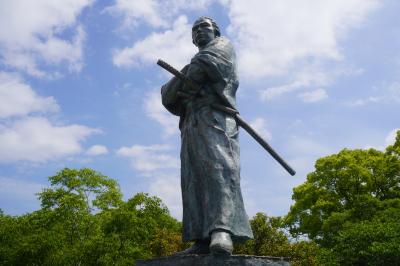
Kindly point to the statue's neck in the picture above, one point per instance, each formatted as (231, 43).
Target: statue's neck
(208, 44)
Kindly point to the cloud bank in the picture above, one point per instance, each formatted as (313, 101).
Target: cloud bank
(173, 45)
(34, 35)
(26, 134)
(271, 36)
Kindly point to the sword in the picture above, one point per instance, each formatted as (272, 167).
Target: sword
(241, 122)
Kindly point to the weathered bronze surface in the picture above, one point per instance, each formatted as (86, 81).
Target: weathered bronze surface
(195, 87)
(210, 170)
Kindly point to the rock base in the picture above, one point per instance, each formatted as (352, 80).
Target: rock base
(215, 260)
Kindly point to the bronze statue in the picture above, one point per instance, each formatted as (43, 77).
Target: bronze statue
(213, 210)
(203, 95)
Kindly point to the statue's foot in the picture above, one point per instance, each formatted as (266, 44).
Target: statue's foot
(199, 247)
(221, 243)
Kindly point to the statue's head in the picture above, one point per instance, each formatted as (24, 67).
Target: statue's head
(204, 30)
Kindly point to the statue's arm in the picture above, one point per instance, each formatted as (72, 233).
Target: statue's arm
(201, 71)
(208, 69)
(169, 94)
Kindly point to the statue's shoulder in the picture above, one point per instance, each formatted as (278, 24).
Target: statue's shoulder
(220, 47)
(224, 41)
(221, 43)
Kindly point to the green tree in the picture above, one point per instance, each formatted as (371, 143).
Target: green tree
(270, 239)
(367, 242)
(140, 228)
(83, 221)
(304, 253)
(58, 233)
(71, 200)
(28, 240)
(9, 236)
(347, 193)
(83, 190)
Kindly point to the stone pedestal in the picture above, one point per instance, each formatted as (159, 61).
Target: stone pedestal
(215, 260)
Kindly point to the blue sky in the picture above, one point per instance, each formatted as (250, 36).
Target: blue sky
(79, 87)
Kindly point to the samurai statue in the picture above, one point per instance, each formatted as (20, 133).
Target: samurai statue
(214, 216)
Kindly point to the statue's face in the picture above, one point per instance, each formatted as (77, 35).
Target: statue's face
(203, 32)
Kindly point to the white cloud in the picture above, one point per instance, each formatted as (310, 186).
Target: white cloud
(167, 187)
(313, 96)
(259, 125)
(36, 139)
(155, 110)
(26, 134)
(362, 102)
(18, 98)
(271, 36)
(134, 11)
(156, 13)
(31, 34)
(97, 150)
(310, 76)
(389, 140)
(391, 137)
(157, 163)
(173, 45)
(148, 159)
(388, 94)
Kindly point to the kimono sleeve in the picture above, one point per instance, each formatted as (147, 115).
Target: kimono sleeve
(169, 95)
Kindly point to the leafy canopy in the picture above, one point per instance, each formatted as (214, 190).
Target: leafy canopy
(83, 221)
(84, 189)
(348, 203)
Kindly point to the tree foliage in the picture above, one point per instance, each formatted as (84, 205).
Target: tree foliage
(83, 221)
(83, 190)
(131, 231)
(349, 206)
(271, 240)
(268, 238)
(368, 242)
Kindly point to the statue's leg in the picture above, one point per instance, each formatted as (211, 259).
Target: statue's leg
(199, 247)
(221, 242)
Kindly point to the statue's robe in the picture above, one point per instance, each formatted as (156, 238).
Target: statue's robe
(210, 168)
